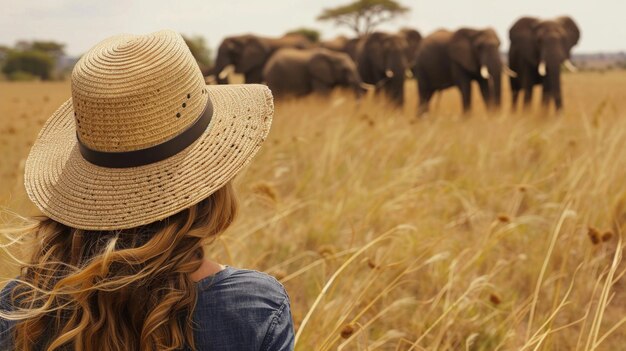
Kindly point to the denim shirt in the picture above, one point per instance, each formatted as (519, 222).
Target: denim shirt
(237, 309)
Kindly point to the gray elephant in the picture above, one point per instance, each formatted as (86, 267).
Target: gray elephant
(538, 48)
(247, 55)
(292, 72)
(455, 59)
(382, 61)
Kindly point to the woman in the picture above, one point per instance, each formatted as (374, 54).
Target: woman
(133, 174)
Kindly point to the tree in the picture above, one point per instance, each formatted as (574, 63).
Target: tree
(362, 16)
(200, 51)
(4, 51)
(53, 48)
(312, 34)
(20, 64)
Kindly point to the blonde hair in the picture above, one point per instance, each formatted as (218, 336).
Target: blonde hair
(116, 290)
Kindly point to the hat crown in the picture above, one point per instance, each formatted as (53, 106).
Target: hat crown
(132, 92)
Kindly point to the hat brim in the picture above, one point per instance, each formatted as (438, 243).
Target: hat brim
(72, 191)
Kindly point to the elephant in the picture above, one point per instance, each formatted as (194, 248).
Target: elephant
(292, 72)
(342, 44)
(247, 54)
(382, 61)
(446, 59)
(538, 48)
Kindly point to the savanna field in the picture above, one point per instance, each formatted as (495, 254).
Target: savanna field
(497, 231)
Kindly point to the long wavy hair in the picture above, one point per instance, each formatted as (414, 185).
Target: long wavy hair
(116, 290)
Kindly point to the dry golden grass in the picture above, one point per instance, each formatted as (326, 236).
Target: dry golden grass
(501, 231)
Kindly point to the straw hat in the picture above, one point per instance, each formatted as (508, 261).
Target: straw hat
(143, 137)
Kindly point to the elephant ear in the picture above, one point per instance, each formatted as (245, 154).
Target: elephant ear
(254, 54)
(522, 35)
(571, 30)
(321, 68)
(461, 50)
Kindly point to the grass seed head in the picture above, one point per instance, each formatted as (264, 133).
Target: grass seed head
(372, 264)
(494, 299)
(347, 331)
(594, 235)
(504, 218)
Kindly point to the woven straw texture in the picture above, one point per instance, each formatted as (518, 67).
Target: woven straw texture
(129, 93)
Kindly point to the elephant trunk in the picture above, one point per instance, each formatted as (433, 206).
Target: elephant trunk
(221, 63)
(552, 56)
(396, 65)
(554, 83)
(496, 83)
(491, 70)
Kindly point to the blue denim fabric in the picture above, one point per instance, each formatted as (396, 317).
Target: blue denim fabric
(5, 326)
(237, 309)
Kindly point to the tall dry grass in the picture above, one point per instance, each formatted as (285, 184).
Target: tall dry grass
(501, 231)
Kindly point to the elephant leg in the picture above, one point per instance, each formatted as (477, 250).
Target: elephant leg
(465, 85)
(546, 93)
(515, 88)
(558, 101)
(514, 97)
(484, 91)
(528, 91)
(254, 76)
(425, 94)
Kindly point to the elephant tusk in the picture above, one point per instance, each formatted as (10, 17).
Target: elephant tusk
(509, 72)
(542, 68)
(226, 71)
(389, 73)
(484, 72)
(570, 66)
(367, 86)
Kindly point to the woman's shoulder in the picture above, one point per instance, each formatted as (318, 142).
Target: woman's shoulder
(243, 309)
(243, 285)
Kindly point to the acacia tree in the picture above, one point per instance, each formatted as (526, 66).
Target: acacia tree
(28, 64)
(362, 16)
(50, 47)
(312, 34)
(32, 59)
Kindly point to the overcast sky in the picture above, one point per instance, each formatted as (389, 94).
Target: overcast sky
(82, 23)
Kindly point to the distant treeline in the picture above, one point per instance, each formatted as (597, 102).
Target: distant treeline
(32, 60)
(47, 60)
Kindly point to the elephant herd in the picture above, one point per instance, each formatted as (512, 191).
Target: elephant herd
(293, 66)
